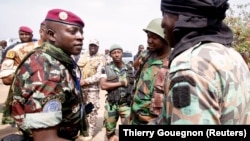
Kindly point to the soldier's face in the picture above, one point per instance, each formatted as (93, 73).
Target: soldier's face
(68, 37)
(25, 37)
(93, 49)
(116, 55)
(155, 42)
(141, 48)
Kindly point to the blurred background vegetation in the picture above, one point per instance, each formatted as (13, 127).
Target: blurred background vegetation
(238, 19)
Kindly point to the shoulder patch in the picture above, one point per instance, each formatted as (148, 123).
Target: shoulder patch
(11, 54)
(181, 96)
(52, 106)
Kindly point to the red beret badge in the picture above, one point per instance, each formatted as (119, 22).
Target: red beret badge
(63, 15)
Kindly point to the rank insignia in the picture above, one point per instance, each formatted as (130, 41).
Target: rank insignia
(10, 54)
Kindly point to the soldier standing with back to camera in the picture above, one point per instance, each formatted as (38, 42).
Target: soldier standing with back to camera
(208, 80)
(117, 78)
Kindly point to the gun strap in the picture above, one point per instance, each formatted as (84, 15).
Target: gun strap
(144, 60)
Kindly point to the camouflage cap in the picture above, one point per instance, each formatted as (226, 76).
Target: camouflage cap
(94, 41)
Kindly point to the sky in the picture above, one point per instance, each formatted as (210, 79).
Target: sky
(110, 21)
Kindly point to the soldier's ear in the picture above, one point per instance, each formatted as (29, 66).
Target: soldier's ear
(50, 33)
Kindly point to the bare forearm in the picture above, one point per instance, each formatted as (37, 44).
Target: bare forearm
(105, 85)
(8, 79)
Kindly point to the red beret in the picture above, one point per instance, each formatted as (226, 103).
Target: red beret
(25, 29)
(63, 16)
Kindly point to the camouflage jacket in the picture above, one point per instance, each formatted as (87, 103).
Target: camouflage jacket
(45, 92)
(143, 91)
(207, 84)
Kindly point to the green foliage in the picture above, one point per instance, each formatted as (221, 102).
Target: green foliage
(238, 19)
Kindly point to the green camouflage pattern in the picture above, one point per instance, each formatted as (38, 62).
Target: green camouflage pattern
(143, 91)
(207, 84)
(111, 116)
(115, 110)
(48, 74)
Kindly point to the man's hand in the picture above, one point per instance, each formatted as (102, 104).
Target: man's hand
(124, 82)
(8, 79)
(83, 83)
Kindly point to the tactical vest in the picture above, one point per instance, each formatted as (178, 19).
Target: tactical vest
(118, 96)
(89, 67)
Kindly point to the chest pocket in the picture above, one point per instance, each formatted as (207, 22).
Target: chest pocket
(90, 68)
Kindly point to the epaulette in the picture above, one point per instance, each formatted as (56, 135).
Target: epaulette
(11, 54)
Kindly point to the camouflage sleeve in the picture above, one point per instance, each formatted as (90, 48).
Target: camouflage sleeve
(193, 99)
(204, 86)
(96, 77)
(38, 94)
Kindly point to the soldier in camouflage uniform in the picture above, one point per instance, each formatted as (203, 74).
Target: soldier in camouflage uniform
(25, 36)
(46, 89)
(151, 62)
(208, 80)
(91, 64)
(15, 55)
(118, 79)
(12, 60)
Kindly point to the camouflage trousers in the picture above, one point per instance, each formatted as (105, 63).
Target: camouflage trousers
(112, 114)
(141, 118)
(7, 118)
(94, 98)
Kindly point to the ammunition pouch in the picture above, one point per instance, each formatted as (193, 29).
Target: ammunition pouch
(113, 96)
